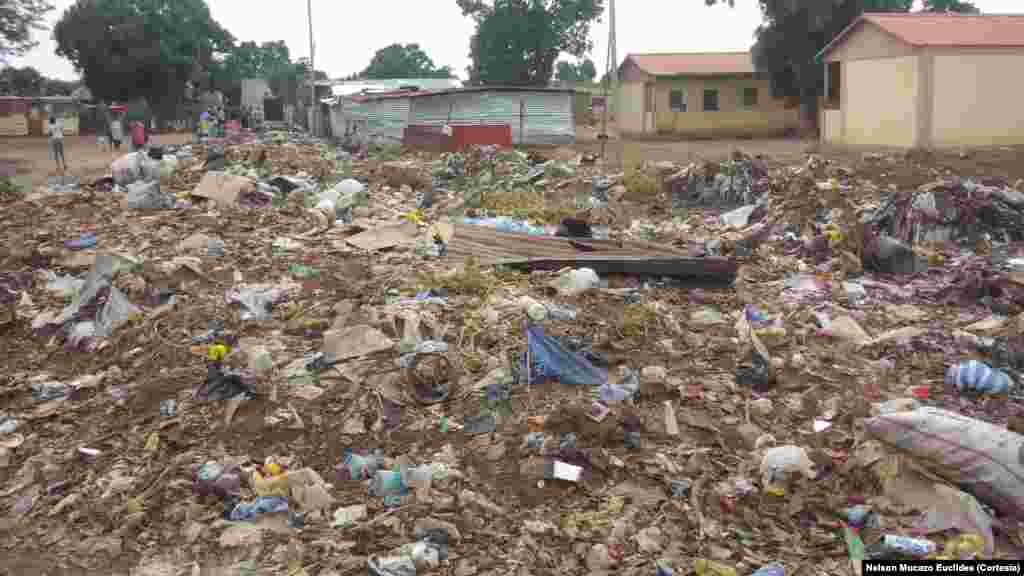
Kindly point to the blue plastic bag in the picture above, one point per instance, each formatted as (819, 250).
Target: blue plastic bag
(977, 377)
(549, 359)
(262, 505)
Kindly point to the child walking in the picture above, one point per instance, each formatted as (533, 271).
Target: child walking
(56, 134)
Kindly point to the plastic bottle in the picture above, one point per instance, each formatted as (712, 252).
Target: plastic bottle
(977, 377)
(905, 546)
(358, 467)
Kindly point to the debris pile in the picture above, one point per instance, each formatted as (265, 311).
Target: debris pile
(380, 361)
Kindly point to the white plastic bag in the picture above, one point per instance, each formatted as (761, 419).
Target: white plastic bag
(576, 282)
(983, 459)
(780, 463)
(127, 169)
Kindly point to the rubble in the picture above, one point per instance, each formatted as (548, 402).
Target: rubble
(403, 383)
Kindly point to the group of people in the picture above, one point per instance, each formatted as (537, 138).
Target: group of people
(115, 132)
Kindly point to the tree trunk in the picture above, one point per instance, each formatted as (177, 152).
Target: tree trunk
(809, 115)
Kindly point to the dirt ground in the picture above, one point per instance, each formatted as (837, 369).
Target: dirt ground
(85, 157)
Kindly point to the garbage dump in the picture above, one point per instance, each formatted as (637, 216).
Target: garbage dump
(287, 358)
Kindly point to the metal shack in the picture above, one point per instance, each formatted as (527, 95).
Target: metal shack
(533, 115)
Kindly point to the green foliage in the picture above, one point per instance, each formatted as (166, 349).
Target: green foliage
(18, 18)
(132, 49)
(403, 61)
(794, 31)
(28, 81)
(585, 71)
(518, 41)
(951, 6)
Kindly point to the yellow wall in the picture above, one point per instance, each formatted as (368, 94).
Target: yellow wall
(879, 102)
(768, 117)
(630, 107)
(977, 98)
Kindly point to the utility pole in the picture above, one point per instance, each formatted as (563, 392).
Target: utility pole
(611, 75)
(312, 71)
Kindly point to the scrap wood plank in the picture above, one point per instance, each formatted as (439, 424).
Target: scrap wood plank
(491, 246)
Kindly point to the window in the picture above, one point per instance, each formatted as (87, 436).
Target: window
(677, 101)
(711, 100)
(749, 97)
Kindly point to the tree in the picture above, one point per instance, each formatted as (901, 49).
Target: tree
(403, 61)
(25, 81)
(18, 18)
(132, 49)
(583, 72)
(951, 6)
(28, 81)
(794, 31)
(518, 41)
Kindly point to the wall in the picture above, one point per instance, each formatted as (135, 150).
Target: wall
(977, 98)
(768, 117)
(879, 102)
(534, 117)
(830, 125)
(868, 41)
(630, 104)
(253, 91)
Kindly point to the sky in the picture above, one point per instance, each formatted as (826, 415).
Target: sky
(348, 33)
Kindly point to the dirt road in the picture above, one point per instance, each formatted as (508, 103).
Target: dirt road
(86, 159)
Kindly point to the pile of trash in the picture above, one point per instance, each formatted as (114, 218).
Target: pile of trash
(741, 180)
(457, 369)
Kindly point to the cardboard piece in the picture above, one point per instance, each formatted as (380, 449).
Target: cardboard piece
(387, 236)
(222, 188)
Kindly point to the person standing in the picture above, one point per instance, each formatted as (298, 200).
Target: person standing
(56, 133)
(116, 132)
(138, 135)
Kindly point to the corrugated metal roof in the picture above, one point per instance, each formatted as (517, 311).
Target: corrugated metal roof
(694, 64)
(469, 90)
(950, 30)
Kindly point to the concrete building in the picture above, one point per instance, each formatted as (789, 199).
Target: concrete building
(925, 80)
(698, 95)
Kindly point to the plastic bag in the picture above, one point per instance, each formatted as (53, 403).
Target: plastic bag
(548, 358)
(149, 169)
(779, 463)
(576, 282)
(147, 196)
(256, 300)
(978, 378)
(168, 165)
(127, 169)
(983, 459)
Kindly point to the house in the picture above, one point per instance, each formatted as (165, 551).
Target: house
(531, 115)
(925, 80)
(28, 116)
(700, 95)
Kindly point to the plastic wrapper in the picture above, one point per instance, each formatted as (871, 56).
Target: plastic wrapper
(983, 459)
(262, 505)
(256, 300)
(549, 359)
